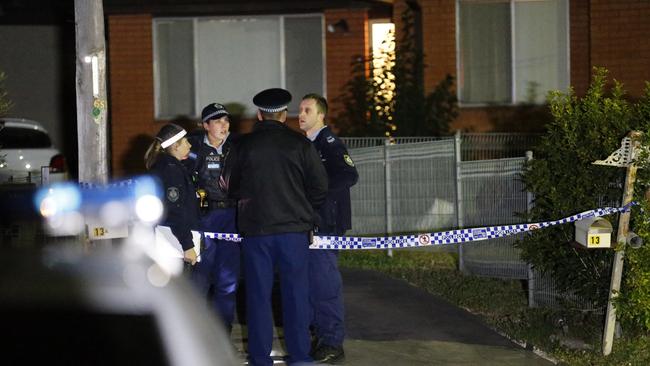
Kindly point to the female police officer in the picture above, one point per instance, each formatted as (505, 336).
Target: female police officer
(163, 158)
(220, 261)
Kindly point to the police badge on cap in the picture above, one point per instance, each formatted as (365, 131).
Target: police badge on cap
(213, 111)
(272, 100)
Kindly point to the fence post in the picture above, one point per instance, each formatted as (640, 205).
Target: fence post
(531, 274)
(45, 175)
(389, 206)
(459, 197)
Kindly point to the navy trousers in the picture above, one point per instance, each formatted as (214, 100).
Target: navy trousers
(218, 271)
(326, 296)
(288, 252)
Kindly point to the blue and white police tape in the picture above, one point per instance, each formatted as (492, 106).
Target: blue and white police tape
(114, 185)
(439, 238)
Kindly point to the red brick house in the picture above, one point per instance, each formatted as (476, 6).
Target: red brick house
(611, 33)
(169, 58)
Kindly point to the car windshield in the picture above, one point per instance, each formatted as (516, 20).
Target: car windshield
(23, 138)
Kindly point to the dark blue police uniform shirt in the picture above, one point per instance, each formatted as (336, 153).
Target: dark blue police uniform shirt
(211, 167)
(180, 201)
(336, 212)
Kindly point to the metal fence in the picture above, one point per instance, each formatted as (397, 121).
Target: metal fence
(427, 187)
(492, 194)
(361, 142)
(482, 146)
(474, 146)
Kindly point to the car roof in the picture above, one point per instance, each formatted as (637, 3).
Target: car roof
(22, 123)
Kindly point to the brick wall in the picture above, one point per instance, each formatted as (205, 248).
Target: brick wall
(439, 48)
(580, 72)
(620, 41)
(341, 48)
(439, 40)
(131, 91)
(610, 33)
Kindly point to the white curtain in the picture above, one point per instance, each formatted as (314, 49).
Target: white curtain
(485, 58)
(540, 49)
(174, 64)
(493, 69)
(237, 57)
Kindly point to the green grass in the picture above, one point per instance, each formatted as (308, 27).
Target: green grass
(503, 305)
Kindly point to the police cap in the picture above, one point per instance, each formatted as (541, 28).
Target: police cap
(272, 100)
(213, 111)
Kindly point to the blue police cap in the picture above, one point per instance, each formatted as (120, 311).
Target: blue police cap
(213, 111)
(272, 100)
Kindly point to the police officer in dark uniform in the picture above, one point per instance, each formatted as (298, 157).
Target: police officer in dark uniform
(326, 287)
(218, 272)
(280, 181)
(163, 158)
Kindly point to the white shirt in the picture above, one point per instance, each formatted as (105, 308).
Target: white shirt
(313, 136)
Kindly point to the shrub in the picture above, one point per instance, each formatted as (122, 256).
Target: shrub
(417, 113)
(391, 101)
(358, 118)
(564, 182)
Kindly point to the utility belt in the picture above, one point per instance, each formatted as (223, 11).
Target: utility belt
(212, 204)
(208, 204)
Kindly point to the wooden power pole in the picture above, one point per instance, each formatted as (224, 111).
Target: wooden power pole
(91, 91)
(623, 157)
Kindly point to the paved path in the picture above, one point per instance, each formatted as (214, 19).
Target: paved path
(390, 322)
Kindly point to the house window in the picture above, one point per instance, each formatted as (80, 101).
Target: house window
(230, 59)
(512, 51)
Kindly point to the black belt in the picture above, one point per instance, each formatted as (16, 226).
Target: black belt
(221, 204)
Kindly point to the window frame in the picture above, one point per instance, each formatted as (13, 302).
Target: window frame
(513, 51)
(194, 20)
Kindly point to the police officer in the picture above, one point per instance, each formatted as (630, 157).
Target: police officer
(218, 272)
(326, 288)
(280, 180)
(163, 159)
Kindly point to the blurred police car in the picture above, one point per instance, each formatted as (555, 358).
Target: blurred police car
(65, 307)
(25, 147)
(113, 303)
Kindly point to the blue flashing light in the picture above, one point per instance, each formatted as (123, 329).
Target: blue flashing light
(61, 197)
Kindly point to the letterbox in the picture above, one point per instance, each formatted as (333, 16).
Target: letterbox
(595, 232)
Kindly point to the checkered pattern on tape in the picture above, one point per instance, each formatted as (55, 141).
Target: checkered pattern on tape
(506, 230)
(346, 242)
(451, 237)
(439, 238)
(120, 184)
(223, 236)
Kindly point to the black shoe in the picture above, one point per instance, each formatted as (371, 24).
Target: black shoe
(315, 342)
(328, 355)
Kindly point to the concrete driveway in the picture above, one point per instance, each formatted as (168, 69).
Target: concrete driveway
(390, 322)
